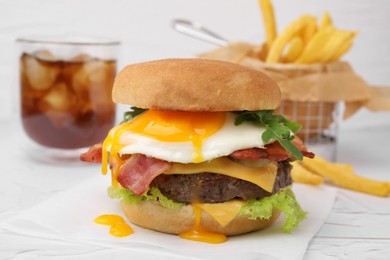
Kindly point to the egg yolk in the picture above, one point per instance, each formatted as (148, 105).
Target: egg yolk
(200, 234)
(168, 126)
(118, 226)
(179, 126)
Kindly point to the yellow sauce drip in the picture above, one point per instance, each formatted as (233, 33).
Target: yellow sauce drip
(166, 126)
(118, 226)
(179, 126)
(199, 233)
(113, 141)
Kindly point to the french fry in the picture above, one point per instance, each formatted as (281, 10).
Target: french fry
(292, 30)
(314, 49)
(302, 175)
(336, 43)
(343, 176)
(261, 51)
(344, 48)
(322, 43)
(294, 49)
(326, 21)
(267, 11)
(343, 167)
(309, 31)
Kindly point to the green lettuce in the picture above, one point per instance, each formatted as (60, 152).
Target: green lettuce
(152, 193)
(284, 200)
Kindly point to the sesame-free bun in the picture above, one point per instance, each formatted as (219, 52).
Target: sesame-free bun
(151, 215)
(195, 85)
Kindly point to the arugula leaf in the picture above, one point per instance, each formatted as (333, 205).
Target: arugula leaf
(134, 111)
(283, 200)
(276, 127)
(294, 126)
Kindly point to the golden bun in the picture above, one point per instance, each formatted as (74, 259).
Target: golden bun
(151, 215)
(195, 85)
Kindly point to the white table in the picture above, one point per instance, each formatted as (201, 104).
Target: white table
(358, 226)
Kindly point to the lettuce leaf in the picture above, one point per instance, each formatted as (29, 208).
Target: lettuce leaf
(153, 194)
(283, 200)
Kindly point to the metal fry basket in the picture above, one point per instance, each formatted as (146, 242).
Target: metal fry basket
(320, 124)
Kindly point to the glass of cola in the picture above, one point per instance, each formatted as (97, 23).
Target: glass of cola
(65, 93)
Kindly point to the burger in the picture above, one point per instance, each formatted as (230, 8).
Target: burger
(200, 151)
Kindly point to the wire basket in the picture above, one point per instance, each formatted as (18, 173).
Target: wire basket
(320, 124)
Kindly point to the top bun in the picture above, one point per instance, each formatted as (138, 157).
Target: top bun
(195, 85)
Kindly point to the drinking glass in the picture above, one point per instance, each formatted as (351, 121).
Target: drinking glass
(65, 93)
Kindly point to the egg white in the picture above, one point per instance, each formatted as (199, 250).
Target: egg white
(225, 141)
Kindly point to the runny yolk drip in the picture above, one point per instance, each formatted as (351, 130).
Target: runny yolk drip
(118, 226)
(168, 126)
(179, 126)
(112, 140)
(199, 233)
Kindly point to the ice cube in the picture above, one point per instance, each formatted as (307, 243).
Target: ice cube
(45, 55)
(40, 76)
(57, 105)
(91, 72)
(82, 57)
(60, 119)
(59, 98)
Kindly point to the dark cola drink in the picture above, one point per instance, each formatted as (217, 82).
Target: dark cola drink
(66, 104)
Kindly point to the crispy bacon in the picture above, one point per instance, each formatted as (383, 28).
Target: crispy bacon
(139, 170)
(258, 154)
(302, 147)
(94, 154)
(273, 152)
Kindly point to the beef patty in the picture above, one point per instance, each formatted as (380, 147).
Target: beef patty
(209, 187)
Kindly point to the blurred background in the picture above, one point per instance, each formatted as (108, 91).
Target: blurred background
(144, 28)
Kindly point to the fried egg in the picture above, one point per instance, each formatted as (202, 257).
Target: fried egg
(184, 137)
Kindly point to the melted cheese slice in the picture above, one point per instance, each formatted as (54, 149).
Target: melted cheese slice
(223, 213)
(263, 177)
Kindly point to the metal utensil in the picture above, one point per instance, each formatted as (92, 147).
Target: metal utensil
(197, 31)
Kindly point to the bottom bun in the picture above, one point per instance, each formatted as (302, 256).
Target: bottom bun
(151, 215)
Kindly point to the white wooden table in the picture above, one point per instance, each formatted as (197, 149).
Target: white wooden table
(358, 226)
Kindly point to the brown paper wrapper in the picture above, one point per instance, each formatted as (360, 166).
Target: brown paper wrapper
(380, 99)
(329, 83)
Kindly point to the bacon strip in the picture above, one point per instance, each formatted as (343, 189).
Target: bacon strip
(94, 154)
(301, 146)
(273, 152)
(138, 171)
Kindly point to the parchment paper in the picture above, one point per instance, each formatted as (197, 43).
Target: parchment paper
(330, 82)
